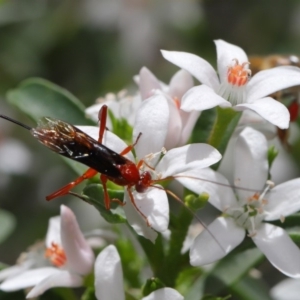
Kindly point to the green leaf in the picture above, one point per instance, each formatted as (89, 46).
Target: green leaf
(249, 288)
(190, 283)
(7, 224)
(233, 267)
(174, 261)
(294, 233)
(210, 297)
(121, 127)
(196, 290)
(94, 195)
(89, 294)
(290, 221)
(132, 262)
(38, 98)
(204, 126)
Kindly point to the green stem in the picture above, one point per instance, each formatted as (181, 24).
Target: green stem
(175, 261)
(155, 254)
(224, 126)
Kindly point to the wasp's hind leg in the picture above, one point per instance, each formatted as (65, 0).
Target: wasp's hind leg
(66, 189)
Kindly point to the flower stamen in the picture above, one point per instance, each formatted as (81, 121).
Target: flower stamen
(56, 255)
(238, 74)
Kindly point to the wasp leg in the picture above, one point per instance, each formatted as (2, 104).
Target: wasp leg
(65, 190)
(130, 147)
(102, 116)
(107, 199)
(134, 204)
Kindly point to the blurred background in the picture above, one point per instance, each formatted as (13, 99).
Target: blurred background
(92, 47)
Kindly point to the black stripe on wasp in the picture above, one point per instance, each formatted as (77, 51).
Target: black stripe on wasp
(137, 178)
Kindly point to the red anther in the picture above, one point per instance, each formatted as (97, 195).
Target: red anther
(56, 255)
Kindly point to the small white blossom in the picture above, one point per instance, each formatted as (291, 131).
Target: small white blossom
(246, 210)
(122, 105)
(164, 101)
(232, 86)
(109, 279)
(68, 251)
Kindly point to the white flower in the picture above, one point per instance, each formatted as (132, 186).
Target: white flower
(69, 252)
(250, 210)
(149, 209)
(109, 279)
(33, 258)
(166, 100)
(232, 86)
(123, 106)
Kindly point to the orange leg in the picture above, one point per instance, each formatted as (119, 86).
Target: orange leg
(102, 116)
(107, 199)
(130, 147)
(65, 190)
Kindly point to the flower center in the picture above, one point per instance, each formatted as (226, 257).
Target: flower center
(56, 255)
(251, 214)
(238, 74)
(233, 87)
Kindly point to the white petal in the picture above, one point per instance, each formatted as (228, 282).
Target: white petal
(111, 140)
(287, 289)
(188, 121)
(109, 275)
(28, 279)
(53, 231)
(200, 98)
(226, 53)
(60, 279)
(279, 249)
(221, 194)
(197, 66)
(192, 156)
(283, 200)
(219, 239)
(251, 165)
(155, 207)
(93, 111)
(80, 257)
(148, 83)
(266, 82)
(152, 120)
(164, 294)
(270, 109)
(16, 269)
(181, 82)
(174, 126)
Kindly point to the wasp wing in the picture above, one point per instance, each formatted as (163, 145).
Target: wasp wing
(69, 141)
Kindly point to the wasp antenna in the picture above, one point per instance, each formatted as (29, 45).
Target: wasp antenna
(186, 207)
(16, 122)
(211, 181)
